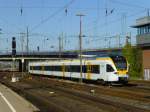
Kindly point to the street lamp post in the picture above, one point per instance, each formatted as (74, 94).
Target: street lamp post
(80, 43)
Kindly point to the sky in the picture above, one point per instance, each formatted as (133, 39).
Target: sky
(104, 23)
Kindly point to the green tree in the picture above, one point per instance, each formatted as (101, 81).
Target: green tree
(134, 57)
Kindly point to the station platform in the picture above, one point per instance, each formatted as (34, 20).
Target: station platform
(12, 102)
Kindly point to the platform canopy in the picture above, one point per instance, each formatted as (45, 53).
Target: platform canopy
(142, 22)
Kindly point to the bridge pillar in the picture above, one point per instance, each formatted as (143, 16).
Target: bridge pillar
(23, 65)
(20, 66)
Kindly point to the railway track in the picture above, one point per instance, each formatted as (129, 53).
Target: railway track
(61, 96)
(123, 92)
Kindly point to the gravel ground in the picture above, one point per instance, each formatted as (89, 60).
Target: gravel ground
(53, 95)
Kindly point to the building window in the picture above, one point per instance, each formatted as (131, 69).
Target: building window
(143, 30)
(149, 28)
(138, 31)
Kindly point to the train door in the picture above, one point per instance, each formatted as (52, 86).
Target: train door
(42, 69)
(70, 73)
(32, 67)
(89, 69)
(63, 70)
(103, 75)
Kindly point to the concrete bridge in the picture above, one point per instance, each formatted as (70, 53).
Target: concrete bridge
(24, 58)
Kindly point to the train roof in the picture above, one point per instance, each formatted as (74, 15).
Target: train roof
(88, 58)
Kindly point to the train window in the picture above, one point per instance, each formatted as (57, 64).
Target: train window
(69, 68)
(66, 68)
(109, 68)
(52, 68)
(75, 68)
(120, 62)
(95, 69)
(47, 68)
(57, 68)
(84, 68)
(35, 67)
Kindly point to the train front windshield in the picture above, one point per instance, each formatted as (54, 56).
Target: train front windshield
(120, 62)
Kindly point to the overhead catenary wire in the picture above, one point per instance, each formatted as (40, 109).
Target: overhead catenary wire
(10, 24)
(128, 4)
(121, 3)
(116, 20)
(63, 9)
(75, 36)
(52, 15)
(51, 7)
(102, 25)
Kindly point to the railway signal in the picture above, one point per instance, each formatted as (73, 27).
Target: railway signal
(13, 46)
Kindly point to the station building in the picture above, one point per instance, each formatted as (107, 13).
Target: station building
(143, 41)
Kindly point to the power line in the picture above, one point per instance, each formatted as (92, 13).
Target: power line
(52, 15)
(51, 7)
(116, 20)
(13, 25)
(127, 4)
(122, 3)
